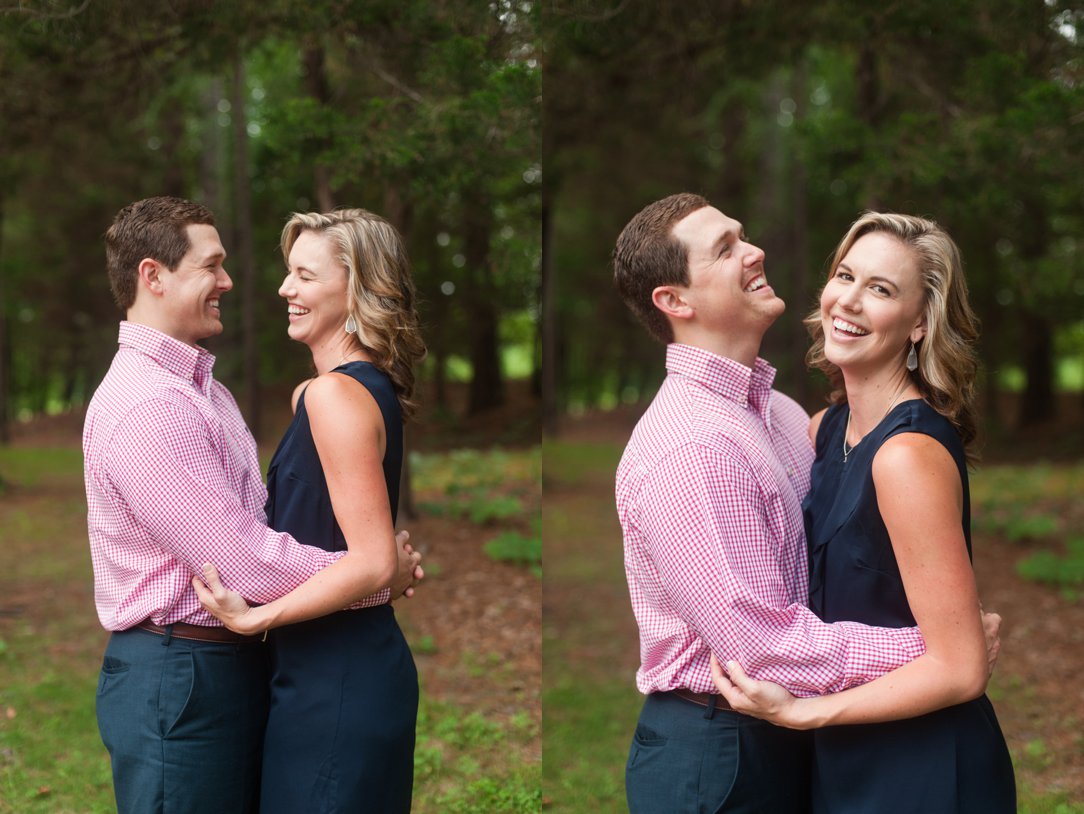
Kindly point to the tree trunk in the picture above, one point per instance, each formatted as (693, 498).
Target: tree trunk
(243, 237)
(441, 315)
(486, 385)
(868, 81)
(400, 214)
(767, 216)
(5, 341)
(550, 374)
(210, 162)
(1037, 403)
(802, 284)
(317, 86)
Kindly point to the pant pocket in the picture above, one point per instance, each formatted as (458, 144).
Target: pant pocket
(652, 785)
(176, 694)
(112, 700)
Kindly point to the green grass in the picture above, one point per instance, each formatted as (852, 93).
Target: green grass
(51, 757)
(589, 645)
(461, 762)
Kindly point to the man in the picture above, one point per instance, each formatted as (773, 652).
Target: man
(709, 495)
(173, 481)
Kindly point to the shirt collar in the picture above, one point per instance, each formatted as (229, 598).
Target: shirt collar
(725, 377)
(190, 363)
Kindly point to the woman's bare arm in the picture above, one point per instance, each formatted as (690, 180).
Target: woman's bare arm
(920, 498)
(348, 430)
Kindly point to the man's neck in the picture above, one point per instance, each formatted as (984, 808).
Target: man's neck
(150, 319)
(744, 349)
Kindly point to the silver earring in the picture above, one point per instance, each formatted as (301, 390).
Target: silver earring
(351, 324)
(912, 359)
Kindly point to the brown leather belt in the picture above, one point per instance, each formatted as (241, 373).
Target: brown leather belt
(704, 699)
(197, 633)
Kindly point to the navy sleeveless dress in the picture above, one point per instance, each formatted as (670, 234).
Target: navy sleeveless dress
(344, 689)
(953, 761)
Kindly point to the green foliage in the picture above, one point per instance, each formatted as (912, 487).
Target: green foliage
(1066, 571)
(1016, 523)
(424, 645)
(511, 546)
(1026, 502)
(417, 111)
(857, 107)
(486, 487)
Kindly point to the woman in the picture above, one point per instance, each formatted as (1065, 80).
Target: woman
(888, 528)
(344, 692)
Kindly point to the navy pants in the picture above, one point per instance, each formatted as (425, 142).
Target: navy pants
(689, 759)
(183, 722)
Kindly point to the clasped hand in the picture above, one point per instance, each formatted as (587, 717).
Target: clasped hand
(760, 699)
(230, 608)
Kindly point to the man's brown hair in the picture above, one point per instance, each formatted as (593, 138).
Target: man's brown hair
(154, 227)
(647, 255)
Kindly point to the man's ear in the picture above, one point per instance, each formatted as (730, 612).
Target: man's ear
(150, 272)
(671, 301)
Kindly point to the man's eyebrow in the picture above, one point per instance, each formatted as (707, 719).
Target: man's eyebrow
(726, 237)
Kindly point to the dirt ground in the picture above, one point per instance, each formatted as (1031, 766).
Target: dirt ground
(1037, 689)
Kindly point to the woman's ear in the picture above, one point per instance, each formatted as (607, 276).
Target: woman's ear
(918, 333)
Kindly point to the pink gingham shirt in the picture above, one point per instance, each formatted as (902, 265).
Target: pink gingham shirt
(709, 495)
(173, 481)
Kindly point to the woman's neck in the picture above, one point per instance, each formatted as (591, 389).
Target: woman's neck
(871, 397)
(330, 355)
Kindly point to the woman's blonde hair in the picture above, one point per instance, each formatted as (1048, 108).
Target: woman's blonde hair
(947, 363)
(379, 290)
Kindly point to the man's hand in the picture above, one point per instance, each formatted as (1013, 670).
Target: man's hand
(410, 572)
(229, 607)
(991, 629)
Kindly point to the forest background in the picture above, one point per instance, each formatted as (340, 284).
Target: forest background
(793, 117)
(427, 112)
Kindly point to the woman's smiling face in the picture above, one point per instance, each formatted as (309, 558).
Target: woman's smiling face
(872, 307)
(315, 290)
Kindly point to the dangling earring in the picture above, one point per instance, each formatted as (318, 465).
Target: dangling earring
(351, 324)
(912, 359)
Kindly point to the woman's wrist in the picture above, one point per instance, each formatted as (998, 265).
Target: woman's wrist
(255, 622)
(806, 713)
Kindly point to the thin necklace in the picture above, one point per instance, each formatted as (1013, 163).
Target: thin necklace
(847, 430)
(343, 359)
(345, 355)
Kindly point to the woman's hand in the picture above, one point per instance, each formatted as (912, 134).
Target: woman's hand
(760, 699)
(229, 607)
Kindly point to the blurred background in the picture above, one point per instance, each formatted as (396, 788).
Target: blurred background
(424, 111)
(793, 118)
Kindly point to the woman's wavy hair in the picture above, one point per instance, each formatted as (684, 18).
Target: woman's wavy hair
(380, 292)
(947, 363)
